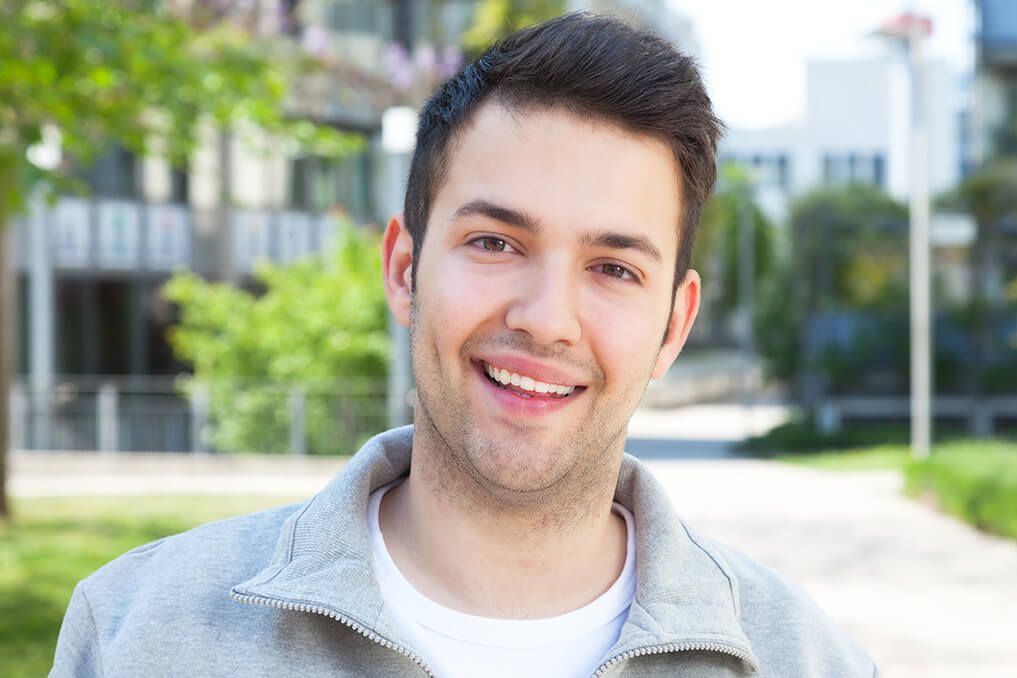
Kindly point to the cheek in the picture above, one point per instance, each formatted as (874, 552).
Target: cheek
(625, 333)
(457, 299)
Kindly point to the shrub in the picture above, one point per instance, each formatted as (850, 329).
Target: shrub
(975, 481)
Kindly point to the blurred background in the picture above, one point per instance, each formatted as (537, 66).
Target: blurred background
(193, 324)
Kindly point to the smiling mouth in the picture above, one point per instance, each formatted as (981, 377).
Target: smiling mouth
(525, 386)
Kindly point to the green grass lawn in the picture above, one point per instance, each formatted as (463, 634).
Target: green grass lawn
(972, 479)
(54, 543)
(975, 481)
(873, 458)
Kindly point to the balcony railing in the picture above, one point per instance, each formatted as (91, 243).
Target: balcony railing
(153, 414)
(128, 236)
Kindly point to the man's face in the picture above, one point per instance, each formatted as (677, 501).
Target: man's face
(543, 289)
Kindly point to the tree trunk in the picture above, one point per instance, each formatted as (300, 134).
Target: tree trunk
(8, 336)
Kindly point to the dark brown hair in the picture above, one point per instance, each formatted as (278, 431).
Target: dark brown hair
(593, 66)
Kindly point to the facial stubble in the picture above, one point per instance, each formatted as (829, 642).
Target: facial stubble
(505, 474)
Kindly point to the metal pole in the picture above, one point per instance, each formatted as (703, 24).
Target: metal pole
(746, 268)
(921, 336)
(746, 280)
(40, 323)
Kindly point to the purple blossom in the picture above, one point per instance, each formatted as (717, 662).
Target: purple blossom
(451, 61)
(425, 58)
(315, 40)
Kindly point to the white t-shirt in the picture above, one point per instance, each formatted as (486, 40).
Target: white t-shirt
(456, 644)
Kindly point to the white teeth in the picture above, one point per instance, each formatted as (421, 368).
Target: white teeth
(505, 377)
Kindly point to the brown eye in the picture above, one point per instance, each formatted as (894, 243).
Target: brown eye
(493, 244)
(615, 271)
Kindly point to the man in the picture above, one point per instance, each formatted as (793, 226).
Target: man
(542, 265)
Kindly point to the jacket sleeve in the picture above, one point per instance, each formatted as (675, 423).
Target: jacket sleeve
(77, 652)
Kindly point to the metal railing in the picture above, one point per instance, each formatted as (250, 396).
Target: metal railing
(153, 414)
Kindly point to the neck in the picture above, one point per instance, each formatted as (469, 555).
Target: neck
(478, 555)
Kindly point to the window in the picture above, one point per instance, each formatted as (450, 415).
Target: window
(769, 169)
(356, 16)
(318, 184)
(114, 174)
(860, 168)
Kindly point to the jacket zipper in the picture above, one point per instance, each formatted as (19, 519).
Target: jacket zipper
(677, 647)
(406, 652)
(332, 614)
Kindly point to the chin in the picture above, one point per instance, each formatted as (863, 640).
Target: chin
(517, 469)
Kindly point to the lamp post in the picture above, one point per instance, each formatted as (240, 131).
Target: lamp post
(910, 31)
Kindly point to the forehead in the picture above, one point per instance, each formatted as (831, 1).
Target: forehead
(569, 171)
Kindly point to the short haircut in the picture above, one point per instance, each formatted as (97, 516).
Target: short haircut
(593, 66)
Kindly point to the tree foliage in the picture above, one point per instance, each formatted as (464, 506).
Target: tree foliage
(848, 252)
(135, 72)
(717, 251)
(496, 19)
(849, 249)
(989, 195)
(319, 327)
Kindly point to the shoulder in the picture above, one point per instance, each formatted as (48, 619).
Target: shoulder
(206, 560)
(163, 596)
(788, 631)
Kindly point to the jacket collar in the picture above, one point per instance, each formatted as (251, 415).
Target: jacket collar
(685, 595)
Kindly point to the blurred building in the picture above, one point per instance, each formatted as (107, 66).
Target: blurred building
(855, 129)
(994, 127)
(995, 100)
(90, 269)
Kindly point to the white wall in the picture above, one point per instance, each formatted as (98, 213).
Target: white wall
(862, 106)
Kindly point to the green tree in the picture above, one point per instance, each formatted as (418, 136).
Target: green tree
(318, 329)
(130, 71)
(848, 251)
(989, 195)
(717, 252)
(496, 19)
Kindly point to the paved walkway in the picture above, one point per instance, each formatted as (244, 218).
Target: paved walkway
(926, 595)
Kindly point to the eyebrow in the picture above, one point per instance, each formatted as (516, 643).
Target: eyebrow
(526, 222)
(505, 215)
(622, 241)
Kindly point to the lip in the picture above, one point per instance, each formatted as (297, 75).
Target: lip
(530, 368)
(515, 406)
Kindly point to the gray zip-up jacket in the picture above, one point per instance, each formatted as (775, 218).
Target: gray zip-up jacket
(291, 592)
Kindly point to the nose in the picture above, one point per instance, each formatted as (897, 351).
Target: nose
(544, 307)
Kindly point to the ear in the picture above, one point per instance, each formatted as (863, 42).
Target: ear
(397, 268)
(683, 314)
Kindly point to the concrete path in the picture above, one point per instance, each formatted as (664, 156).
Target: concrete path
(927, 596)
(708, 431)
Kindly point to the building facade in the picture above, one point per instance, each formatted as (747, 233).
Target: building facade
(856, 129)
(90, 269)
